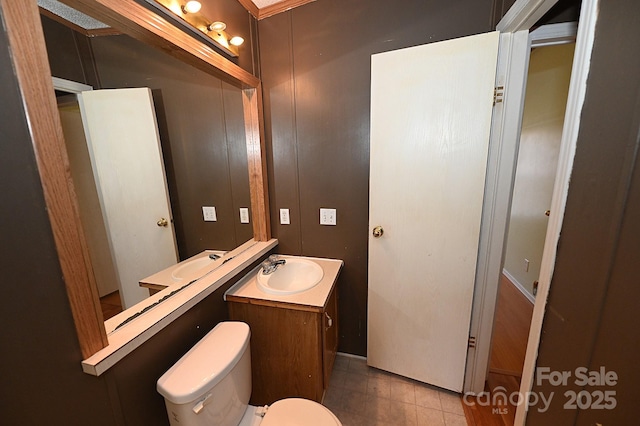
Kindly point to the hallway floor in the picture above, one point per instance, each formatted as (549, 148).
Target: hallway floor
(509, 345)
(111, 305)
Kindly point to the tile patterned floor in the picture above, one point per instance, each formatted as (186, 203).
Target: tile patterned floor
(361, 395)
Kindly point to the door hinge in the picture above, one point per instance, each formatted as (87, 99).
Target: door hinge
(498, 94)
(472, 342)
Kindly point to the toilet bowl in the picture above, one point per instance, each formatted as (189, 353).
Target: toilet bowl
(211, 385)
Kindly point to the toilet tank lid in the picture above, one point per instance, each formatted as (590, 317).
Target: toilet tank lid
(206, 364)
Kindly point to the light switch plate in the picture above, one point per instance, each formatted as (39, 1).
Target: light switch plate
(284, 217)
(244, 215)
(327, 216)
(209, 214)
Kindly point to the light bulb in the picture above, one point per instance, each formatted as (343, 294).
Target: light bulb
(236, 40)
(217, 26)
(192, 6)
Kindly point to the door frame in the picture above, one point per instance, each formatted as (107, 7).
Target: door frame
(513, 59)
(69, 86)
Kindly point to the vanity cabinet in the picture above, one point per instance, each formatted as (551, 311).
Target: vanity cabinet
(293, 346)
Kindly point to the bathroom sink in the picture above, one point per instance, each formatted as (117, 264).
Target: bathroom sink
(295, 276)
(190, 266)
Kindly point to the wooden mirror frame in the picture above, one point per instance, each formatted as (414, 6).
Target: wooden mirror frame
(31, 64)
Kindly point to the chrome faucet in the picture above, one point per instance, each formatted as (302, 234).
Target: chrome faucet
(271, 264)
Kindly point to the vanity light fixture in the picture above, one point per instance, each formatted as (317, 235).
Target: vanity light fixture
(189, 13)
(192, 6)
(236, 40)
(217, 26)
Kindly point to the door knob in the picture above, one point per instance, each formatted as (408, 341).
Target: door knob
(163, 222)
(377, 232)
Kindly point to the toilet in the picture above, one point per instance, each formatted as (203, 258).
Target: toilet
(211, 385)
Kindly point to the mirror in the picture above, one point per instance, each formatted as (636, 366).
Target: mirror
(201, 126)
(31, 64)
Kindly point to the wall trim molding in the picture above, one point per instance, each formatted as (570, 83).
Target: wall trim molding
(513, 63)
(530, 297)
(347, 355)
(69, 85)
(274, 9)
(575, 101)
(554, 34)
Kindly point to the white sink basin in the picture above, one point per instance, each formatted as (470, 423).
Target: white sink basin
(295, 276)
(190, 266)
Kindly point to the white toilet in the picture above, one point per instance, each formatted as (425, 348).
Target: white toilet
(211, 385)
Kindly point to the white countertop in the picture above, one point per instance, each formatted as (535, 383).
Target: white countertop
(125, 339)
(315, 297)
(164, 278)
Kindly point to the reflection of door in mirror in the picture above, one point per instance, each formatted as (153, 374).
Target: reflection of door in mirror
(127, 168)
(201, 123)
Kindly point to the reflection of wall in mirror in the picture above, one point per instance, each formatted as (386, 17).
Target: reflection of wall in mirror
(201, 125)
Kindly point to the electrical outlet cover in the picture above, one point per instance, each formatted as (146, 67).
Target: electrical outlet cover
(209, 214)
(327, 216)
(285, 219)
(244, 215)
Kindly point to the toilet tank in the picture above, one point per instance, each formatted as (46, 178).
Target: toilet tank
(210, 384)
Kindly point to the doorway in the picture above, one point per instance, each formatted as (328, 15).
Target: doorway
(545, 102)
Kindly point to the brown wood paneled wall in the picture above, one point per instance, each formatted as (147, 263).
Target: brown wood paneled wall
(562, 11)
(500, 7)
(315, 64)
(69, 53)
(40, 350)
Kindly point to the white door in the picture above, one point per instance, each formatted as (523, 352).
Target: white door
(431, 112)
(124, 146)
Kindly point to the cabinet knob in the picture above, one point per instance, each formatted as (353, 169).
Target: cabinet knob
(163, 222)
(329, 320)
(378, 232)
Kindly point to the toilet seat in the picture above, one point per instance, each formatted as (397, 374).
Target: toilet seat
(298, 411)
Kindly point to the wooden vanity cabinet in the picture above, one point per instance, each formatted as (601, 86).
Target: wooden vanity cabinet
(293, 347)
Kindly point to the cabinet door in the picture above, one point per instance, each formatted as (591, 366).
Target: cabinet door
(285, 352)
(330, 335)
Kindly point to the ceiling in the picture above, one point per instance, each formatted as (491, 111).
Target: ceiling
(71, 15)
(258, 8)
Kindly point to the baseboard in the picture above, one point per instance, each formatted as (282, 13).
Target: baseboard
(517, 374)
(364, 358)
(530, 297)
